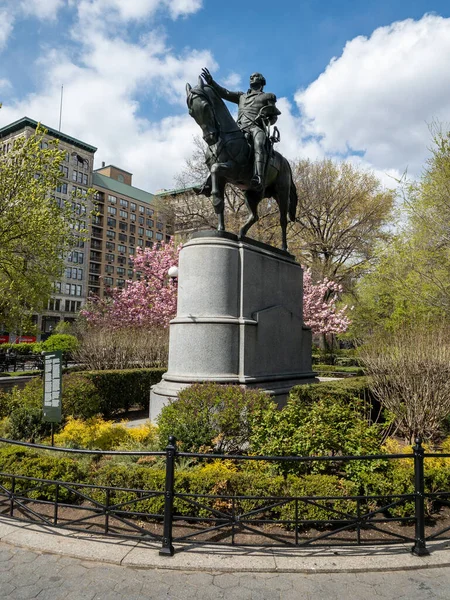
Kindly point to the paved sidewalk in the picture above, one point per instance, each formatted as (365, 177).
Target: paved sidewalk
(26, 574)
(144, 555)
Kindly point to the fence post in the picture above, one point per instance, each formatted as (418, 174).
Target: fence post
(167, 548)
(419, 548)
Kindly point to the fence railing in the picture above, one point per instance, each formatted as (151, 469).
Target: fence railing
(170, 516)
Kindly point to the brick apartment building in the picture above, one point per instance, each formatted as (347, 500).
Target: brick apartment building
(120, 218)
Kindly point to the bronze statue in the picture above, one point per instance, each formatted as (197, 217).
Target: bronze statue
(257, 111)
(260, 172)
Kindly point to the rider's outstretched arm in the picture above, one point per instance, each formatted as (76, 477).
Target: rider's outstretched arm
(223, 92)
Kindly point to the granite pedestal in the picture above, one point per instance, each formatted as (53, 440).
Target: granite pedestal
(239, 319)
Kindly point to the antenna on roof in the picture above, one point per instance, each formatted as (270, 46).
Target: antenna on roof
(60, 107)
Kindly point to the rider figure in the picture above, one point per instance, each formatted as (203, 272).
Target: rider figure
(256, 111)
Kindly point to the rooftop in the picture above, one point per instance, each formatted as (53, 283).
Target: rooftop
(59, 135)
(122, 189)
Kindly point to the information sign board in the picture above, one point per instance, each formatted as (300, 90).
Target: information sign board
(52, 386)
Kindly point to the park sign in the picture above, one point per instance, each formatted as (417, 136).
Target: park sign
(52, 386)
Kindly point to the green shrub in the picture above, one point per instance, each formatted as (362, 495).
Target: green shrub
(80, 397)
(30, 463)
(213, 416)
(120, 390)
(58, 341)
(337, 368)
(21, 348)
(316, 422)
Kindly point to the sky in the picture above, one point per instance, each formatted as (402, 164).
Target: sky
(360, 81)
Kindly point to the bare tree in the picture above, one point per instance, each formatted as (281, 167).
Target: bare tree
(102, 348)
(410, 375)
(343, 211)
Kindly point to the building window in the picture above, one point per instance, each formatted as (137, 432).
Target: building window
(112, 199)
(140, 242)
(120, 282)
(132, 239)
(110, 245)
(109, 257)
(109, 269)
(123, 226)
(159, 225)
(159, 236)
(111, 234)
(150, 222)
(112, 210)
(124, 202)
(64, 171)
(141, 220)
(149, 211)
(111, 222)
(130, 273)
(141, 209)
(122, 237)
(120, 178)
(120, 271)
(67, 289)
(121, 260)
(58, 286)
(121, 248)
(124, 214)
(108, 280)
(131, 251)
(149, 233)
(62, 188)
(132, 206)
(132, 228)
(140, 230)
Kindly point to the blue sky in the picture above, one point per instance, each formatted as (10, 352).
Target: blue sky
(355, 80)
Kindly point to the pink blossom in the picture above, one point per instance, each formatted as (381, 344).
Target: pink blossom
(320, 314)
(149, 301)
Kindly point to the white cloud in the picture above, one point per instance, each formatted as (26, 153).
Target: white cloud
(108, 11)
(379, 95)
(232, 81)
(6, 27)
(42, 9)
(105, 90)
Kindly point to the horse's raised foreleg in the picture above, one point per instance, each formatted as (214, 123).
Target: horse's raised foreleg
(252, 199)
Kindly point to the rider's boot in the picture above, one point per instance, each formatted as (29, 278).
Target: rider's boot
(204, 189)
(257, 180)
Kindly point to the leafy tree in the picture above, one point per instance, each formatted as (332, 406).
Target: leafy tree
(343, 212)
(410, 279)
(34, 232)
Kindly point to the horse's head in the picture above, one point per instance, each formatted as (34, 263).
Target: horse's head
(201, 109)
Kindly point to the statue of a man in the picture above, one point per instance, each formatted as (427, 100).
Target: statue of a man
(257, 109)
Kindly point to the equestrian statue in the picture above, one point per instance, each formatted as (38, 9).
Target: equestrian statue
(242, 152)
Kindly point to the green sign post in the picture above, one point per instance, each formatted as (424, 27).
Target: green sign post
(52, 386)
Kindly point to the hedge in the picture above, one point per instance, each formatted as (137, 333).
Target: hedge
(120, 390)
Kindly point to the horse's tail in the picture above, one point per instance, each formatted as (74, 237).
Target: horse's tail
(293, 198)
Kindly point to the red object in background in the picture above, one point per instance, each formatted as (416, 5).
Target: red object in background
(27, 339)
(4, 339)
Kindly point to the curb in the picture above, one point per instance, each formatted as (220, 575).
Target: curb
(220, 559)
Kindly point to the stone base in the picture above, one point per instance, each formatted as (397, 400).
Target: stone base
(239, 319)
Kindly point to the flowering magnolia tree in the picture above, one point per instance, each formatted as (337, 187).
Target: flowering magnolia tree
(320, 314)
(147, 302)
(152, 300)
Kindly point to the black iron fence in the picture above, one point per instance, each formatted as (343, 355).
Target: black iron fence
(171, 516)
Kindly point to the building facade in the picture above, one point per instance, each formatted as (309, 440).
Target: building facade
(71, 290)
(126, 218)
(118, 219)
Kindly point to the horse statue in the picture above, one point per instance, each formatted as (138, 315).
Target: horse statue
(229, 159)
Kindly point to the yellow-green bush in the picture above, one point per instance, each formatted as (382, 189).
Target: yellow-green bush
(98, 434)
